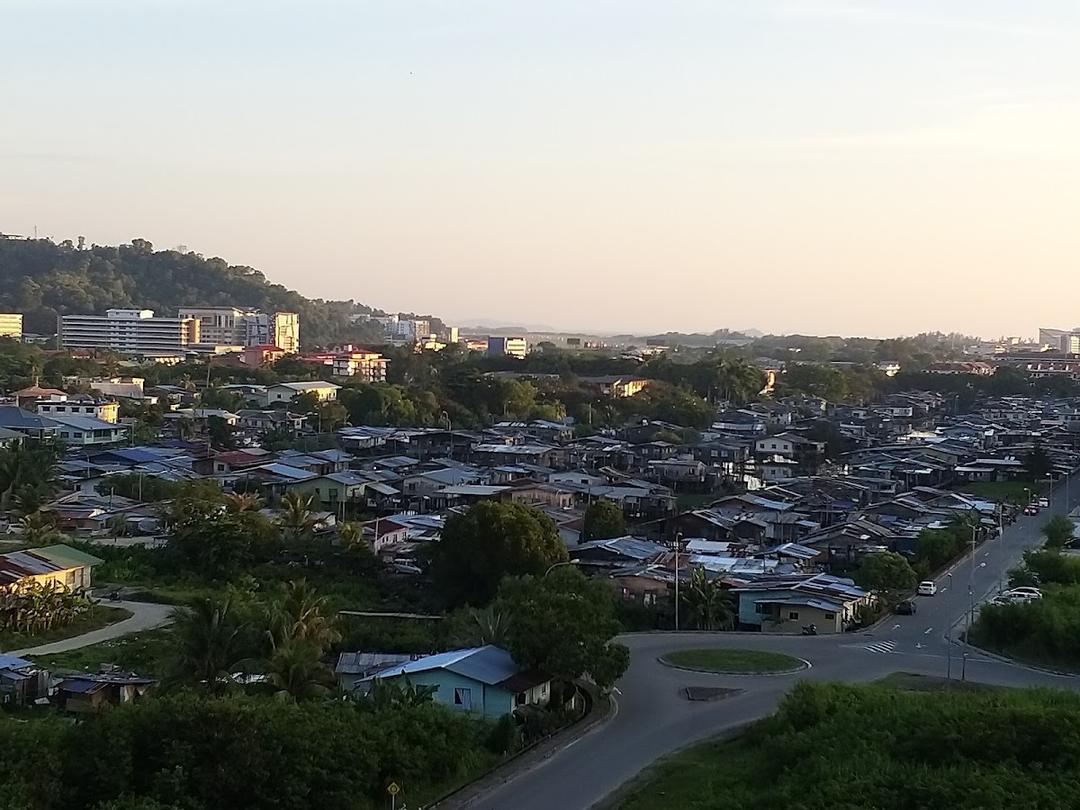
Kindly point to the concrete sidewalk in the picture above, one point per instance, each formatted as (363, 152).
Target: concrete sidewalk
(145, 616)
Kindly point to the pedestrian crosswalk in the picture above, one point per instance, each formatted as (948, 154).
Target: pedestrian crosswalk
(881, 647)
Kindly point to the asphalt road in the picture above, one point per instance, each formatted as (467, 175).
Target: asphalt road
(654, 718)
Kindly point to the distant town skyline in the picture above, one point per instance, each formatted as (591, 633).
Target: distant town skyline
(604, 167)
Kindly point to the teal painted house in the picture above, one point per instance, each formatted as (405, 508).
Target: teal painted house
(483, 680)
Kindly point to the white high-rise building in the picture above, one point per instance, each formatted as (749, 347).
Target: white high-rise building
(131, 331)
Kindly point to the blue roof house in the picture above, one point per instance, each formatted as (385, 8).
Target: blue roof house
(784, 604)
(482, 680)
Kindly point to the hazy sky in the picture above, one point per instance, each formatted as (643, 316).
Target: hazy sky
(875, 167)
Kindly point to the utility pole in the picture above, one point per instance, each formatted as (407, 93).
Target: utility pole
(948, 653)
(971, 583)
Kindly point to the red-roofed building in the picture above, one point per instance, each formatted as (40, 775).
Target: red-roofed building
(30, 395)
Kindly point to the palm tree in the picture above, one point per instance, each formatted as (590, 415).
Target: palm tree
(710, 605)
(737, 380)
(237, 502)
(26, 464)
(297, 521)
(350, 534)
(301, 616)
(208, 643)
(296, 670)
(29, 498)
(37, 528)
(493, 627)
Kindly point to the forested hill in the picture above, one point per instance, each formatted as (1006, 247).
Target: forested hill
(43, 279)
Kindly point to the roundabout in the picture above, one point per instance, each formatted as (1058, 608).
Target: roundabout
(734, 661)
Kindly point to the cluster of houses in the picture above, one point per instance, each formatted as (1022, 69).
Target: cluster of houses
(776, 501)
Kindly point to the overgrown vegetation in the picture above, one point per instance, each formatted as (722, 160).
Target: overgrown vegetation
(202, 753)
(59, 623)
(1043, 631)
(833, 746)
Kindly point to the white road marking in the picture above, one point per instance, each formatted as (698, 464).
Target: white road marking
(944, 589)
(926, 632)
(896, 627)
(982, 565)
(881, 647)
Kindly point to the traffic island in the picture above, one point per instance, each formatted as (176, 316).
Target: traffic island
(721, 661)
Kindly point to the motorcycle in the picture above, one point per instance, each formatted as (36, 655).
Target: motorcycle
(809, 630)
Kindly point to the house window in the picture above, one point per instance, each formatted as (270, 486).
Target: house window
(830, 616)
(760, 608)
(649, 598)
(463, 697)
(520, 698)
(794, 614)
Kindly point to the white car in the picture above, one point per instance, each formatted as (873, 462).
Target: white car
(1044, 503)
(1024, 593)
(927, 588)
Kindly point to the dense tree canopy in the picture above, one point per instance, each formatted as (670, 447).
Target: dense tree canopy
(488, 542)
(885, 571)
(43, 279)
(564, 624)
(603, 519)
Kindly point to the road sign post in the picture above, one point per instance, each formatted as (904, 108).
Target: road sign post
(393, 789)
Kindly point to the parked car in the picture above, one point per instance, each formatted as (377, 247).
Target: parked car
(906, 608)
(927, 588)
(1025, 592)
(1043, 503)
(1001, 599)
(1031, 510)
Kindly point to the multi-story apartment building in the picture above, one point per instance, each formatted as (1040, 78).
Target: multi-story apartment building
(507, 347)
(80, 405)
(130, 331)
(406, 329)
(366, 366)
(231, 326)
(285, 331)
(10, 324)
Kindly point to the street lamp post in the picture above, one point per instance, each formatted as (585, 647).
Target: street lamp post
(678, 542)
(560, 564)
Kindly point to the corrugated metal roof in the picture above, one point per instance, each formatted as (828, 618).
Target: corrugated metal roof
(489, 665)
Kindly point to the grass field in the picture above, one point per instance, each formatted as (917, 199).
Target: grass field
(695, 500)
(136, 652)
(1009, 491)
(721, 660)
(97, 617)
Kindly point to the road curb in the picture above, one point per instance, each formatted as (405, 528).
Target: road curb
(1015, 662)
(803, 666)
